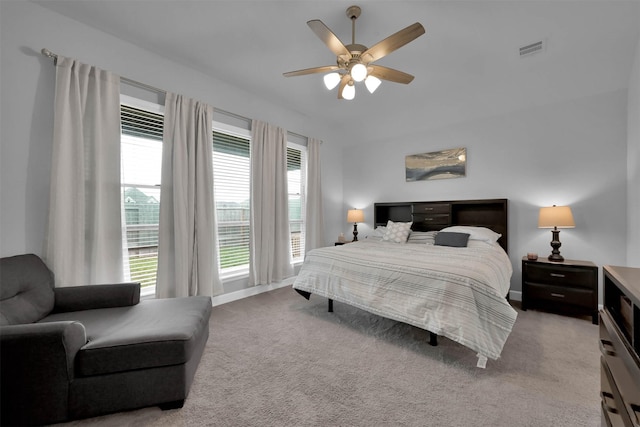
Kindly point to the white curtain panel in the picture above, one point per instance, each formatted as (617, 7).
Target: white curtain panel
(84, 238)
(270, 247)
(314, 224)
(187, 246)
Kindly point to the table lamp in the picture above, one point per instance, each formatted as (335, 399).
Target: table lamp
(355, 216)
(556, 217)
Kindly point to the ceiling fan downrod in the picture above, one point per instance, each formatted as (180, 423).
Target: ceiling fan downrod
(353, 12)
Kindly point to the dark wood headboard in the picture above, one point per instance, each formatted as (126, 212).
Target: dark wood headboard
(436, 215)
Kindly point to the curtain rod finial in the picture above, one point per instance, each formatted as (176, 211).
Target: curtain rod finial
(47, 52)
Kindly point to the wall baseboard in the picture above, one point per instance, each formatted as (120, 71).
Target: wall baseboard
(515, 295)
(248, 292)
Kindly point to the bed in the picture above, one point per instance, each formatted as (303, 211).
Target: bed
(457, 292)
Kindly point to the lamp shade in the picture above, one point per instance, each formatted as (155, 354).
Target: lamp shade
(556, 216)
(355, 215)
(372, 83)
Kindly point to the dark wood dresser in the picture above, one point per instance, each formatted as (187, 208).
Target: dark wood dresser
(570, 286)
(620, 347)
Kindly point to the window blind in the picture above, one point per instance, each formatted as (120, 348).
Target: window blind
(141, 123)
(141, 158)
(231, 182)
(296, 175)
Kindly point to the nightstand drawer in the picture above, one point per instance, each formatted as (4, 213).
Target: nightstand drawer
(560, 275)
(574, 296)
(430, 208)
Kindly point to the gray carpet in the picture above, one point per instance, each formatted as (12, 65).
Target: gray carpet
(276, 359)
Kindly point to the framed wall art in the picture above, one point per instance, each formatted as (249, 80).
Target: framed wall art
(436, 165)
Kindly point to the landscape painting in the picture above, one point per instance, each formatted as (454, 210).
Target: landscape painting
(436, 165)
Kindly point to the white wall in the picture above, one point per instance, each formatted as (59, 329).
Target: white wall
(633, 164)
(27, 91)
(579, 152)
(570, 153)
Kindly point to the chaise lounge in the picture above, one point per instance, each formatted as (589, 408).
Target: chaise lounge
(76, 352)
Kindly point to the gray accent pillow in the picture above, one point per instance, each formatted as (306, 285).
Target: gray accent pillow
(456, 240)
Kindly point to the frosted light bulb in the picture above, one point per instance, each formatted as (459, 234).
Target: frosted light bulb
(358, 72)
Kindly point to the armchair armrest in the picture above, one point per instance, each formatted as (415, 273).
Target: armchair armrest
(37, 369)
(76, 298)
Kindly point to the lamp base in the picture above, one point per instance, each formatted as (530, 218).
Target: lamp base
(355, 232)
(555, 258)
(555, 244)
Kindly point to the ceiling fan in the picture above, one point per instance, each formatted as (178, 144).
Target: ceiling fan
(354, 62)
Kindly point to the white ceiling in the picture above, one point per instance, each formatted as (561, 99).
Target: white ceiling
(466, 65)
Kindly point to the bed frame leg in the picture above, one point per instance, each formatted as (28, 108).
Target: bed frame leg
(433, 339)
(330, 305)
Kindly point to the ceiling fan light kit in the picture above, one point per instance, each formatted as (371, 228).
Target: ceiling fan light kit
(354, 62)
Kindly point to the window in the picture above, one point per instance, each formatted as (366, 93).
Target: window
(232, 186)
(141, 157)
(296, 175)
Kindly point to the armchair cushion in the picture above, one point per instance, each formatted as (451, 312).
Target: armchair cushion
(26, 289)
(150, 334)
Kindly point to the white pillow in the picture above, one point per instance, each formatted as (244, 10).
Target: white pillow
(377, 234)
(475, 233)
(481, 244)
(397, 232)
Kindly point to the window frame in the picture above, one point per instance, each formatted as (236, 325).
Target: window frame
(234, 131)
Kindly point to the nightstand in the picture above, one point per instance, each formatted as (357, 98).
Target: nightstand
(569, 286)
(340, 243)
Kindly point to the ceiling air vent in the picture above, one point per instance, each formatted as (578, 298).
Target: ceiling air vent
(532, 48)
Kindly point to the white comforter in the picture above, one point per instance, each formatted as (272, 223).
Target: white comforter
(458, 293)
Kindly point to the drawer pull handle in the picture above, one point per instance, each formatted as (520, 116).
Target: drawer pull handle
(604, 350)
(557, 275)
(557, 295)
(428, 209)
(605, 395)
(428, 219)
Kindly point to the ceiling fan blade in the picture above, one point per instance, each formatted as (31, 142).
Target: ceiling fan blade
(390, 74)
(323, 69)
(393, 42)
(330, 39)
(343, 82)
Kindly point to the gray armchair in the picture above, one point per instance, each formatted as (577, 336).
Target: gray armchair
(78, 352)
